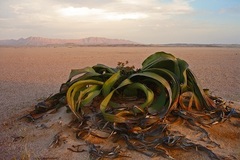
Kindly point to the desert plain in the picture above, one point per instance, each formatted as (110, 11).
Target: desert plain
(30, 74)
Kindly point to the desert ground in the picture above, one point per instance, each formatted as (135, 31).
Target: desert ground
(30, 74)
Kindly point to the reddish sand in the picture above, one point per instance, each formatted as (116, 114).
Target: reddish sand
(30, 74)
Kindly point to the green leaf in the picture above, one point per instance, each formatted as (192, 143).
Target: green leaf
(159, 105)
(101, 68)
(85, 92)
(160, 79)
(106, 100)
(199, 94)
(90, 97)
(183, 66)
(148, 92)
(75, 72)
(107, 86)
(156, 57)
(76, 87)
(130, 92)
(162, 60)
(170, 77)
(85, 73)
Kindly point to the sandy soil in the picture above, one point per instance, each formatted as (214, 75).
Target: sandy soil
(28, 75)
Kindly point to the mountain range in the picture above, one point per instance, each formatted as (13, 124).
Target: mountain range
(95, 41)
(40, 41)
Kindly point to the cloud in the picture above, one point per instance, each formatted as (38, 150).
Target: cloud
(100, 13)
(128, 10)
(175, 8)
(43, 10)
(82, 11)
(128, 16)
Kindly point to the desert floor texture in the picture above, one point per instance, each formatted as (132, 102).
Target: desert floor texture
(30, 74)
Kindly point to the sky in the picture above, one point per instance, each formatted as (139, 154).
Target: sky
(142, 21)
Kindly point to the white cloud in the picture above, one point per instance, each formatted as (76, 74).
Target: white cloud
(173, 7)
(82, 11)
(137, 2)
(122, 16)
(100, 14)
(128, 10)
(178, 7)
(118, 10)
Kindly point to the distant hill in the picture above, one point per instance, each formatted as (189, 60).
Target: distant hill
(40, 41)
(96, 41)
